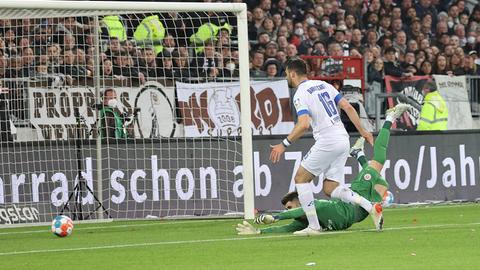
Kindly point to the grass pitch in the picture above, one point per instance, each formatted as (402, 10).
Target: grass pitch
(436, 237)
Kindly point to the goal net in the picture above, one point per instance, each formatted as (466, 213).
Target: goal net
(123, 110)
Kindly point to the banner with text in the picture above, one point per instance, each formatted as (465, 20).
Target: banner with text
(213, 109)
(52, 110)
(161, 182)
(453, 89)
(412, 89)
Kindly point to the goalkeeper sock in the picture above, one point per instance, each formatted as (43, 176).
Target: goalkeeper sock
(305, 196)
(381, 143)
(349, 196)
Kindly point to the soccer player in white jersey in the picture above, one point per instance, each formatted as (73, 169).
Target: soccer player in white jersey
(316, 105)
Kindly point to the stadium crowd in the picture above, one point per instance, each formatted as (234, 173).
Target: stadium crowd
(399, 38)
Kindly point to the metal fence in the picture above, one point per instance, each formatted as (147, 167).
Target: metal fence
(473, 88)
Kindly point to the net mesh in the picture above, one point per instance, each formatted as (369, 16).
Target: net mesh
(161, 140)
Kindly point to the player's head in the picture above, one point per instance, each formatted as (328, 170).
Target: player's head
(290, 200)
(296, 70)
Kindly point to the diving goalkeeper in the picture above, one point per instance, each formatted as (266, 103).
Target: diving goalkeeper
(335, 214)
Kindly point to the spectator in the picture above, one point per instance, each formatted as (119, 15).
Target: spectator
(291, 51)
(283, 9)
(123, 67)
(425, 68)
(149, 64)
(262, 41)
(230, 69)
(371, 40)
(319, 49)
(271, 49)
(114, 47)
(111, 120)
(469, 67)
(299, 35)
(268, 27)
(408, 60)
(356, 41)
(167, 69)
(28, 62)
(257, 20)
(272, 68)
(107, 69)
(256, 65)
(282, 43)
(68, 42)
(400, 42)
(332, 67)
(375, 71)
(281, 57)
(206, 64)
(69, 67)
(424, 7)
(412, 46)
(305, 45)
(391, 65)
(397, 25)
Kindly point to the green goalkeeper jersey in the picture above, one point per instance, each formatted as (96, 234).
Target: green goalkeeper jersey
(332, 214)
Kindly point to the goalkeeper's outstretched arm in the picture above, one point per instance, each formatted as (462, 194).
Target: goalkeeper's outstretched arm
(294, 226)
(288, 228)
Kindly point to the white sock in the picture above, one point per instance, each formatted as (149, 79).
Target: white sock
(390, 118)
(360, 154)
(349, 196)
(305, 196)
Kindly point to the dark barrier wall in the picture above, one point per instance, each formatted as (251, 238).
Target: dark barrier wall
(142, 178)
(418, 168)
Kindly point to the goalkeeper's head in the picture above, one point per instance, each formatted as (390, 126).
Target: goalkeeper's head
(290, 200)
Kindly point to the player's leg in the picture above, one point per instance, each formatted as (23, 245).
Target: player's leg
(317, 161)
(381, 142)
(357, 152)
(305, 195)
(334, 176)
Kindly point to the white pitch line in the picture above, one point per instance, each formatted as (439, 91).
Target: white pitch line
(152, 223)
(223, 239)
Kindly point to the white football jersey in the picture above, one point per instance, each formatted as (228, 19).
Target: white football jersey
(319, 100)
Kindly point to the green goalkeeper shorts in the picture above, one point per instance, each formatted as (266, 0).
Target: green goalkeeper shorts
(364, 184)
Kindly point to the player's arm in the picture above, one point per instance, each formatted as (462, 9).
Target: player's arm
(293, 213)
(353, 116)
(302, 125)
(288, 228)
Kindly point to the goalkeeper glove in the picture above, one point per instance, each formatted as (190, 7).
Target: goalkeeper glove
(264, 219)
(246, 229)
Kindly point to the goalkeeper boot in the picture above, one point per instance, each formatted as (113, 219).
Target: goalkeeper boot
(377, 216)
(397, 111)
(308, 232)
(357, 147)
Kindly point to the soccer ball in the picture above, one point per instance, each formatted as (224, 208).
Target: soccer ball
(62, 226)
(387, 199)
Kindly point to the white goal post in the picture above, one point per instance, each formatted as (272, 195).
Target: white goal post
(137, 102)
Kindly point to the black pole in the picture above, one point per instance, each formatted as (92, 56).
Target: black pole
(81, 180)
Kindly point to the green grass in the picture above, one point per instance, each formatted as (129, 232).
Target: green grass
(441, 237)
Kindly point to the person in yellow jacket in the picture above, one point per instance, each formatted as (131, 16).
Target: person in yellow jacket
(114, 27)
(434, 113)
(150, 32)
(207, 32)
